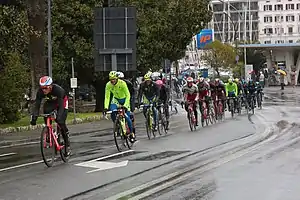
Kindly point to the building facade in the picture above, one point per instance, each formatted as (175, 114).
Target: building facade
(279, 21)
(229, 21)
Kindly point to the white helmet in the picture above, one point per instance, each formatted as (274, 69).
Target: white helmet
(46, 81)
(120, 74)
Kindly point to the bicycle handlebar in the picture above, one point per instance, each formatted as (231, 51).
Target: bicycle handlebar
(52, 114)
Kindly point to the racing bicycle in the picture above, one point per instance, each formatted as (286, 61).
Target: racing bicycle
(51, 140)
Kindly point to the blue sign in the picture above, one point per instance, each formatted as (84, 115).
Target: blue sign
(204, 37)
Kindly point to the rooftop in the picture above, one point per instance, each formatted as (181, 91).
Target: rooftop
(272, 46)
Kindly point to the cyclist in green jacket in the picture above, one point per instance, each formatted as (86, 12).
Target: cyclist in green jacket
(121, 96)
(231, 91)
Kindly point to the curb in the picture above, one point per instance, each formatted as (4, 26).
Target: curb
(37, 139)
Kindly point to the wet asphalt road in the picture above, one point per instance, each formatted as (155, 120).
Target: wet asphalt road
(240, 158)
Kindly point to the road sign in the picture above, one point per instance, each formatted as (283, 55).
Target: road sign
(115, 39)
(204, 37)
(73, 82)
(248, 70)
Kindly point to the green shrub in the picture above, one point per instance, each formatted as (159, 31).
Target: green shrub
(14, 80)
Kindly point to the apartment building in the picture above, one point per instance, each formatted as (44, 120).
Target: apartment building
(229, 20)
(279, 21)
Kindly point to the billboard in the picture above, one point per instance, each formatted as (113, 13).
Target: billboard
(205, 37)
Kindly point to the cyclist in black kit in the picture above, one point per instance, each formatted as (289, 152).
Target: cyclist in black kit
(55, 99)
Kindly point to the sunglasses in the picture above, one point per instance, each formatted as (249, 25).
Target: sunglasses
(45, 87)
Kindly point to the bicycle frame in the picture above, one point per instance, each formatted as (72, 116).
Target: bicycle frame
(52, 136)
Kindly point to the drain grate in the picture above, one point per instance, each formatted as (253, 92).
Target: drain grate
(160, 156)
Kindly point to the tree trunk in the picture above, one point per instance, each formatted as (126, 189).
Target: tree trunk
(36, 18)
(99, 85)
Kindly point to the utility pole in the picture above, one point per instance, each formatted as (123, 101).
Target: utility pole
(49, 40)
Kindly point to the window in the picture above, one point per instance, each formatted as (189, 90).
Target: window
(268, 31)
(278, 18)
(267, 7)
(289, 6)
(279, 7)
(268, 19)
(290, 30)
(290, 0)
(291, 41)
(279, 41)
(267, 42)
(278, 0)
(290, 18)
(298, 6)
(267, 1)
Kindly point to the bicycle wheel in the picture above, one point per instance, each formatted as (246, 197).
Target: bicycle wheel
(213, 119)
(252, 106)
(231, 107)
(259, 104)
(159, 121)
(148, 126)
(118, 135)
(64, 150)
(45, 141)
(151, 120)
(190, 118)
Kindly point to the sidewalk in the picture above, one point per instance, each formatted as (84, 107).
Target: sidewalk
(287, 90)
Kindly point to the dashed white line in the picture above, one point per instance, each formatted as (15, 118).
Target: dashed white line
(22, 165)
(7, 154)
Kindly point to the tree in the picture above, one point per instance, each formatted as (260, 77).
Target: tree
(219, 56)
(12, 82)
(166, 27)
(36, 19)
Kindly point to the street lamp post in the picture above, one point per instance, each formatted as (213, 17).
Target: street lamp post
(49, 40)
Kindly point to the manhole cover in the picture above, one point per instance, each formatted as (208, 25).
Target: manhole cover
(160, 156)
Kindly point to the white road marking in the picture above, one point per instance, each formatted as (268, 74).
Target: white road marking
(22, 165)
(100, 165)
(108, 156)
(7, 154)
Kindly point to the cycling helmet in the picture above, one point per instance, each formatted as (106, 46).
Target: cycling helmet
(147, 76)
(208, 80)
(236, 80)
(46, 81)
(201, 79)
(230, 80)
(113, 75)
(120, 74)
(159, 83)
(190, 80)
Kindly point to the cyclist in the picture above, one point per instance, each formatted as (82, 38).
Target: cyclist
(55, 99)
(149, 92)
(231, 91)
(164, 98)
(121, 96)
(251, 90)
(204, 93)
(190, 94)
(220, 92)
(239, 85)
(132, 95)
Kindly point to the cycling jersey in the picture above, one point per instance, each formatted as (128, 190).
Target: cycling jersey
(203, 89)
(119, 91)
(130, 87)
(190, 93)
(149, 91)
(164, 93)
(231, 89)
(57, 98)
